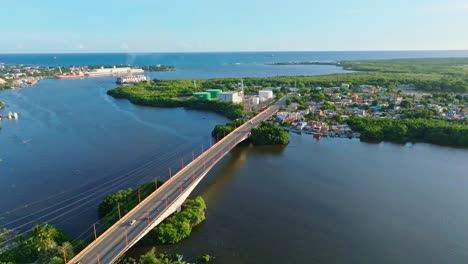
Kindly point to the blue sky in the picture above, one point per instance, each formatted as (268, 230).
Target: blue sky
(232, 25)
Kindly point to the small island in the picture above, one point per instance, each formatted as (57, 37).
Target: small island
(2, 104)
(269, 134)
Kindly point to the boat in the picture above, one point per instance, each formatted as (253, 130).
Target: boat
(69, 76)
(72, 75)
(12, 115)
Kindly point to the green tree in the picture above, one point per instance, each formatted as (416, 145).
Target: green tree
(269, 134)
(406, 104)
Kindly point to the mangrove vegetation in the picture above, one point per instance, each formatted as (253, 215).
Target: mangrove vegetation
(269, 134)
(440, 132)
(180, 225)
(174, 93)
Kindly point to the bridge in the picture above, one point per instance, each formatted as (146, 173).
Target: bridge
(165, 200)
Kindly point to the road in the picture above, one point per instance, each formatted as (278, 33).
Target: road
(121, 236)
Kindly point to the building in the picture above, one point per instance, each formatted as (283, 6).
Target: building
(265, 94)
(2, 81)
(233, 97)
(113, 71)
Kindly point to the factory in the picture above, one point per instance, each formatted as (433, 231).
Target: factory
(265, 95)
(233, 97)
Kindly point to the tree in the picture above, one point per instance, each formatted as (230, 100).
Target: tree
(269, 134)
(406, 104)
(56, 260)
(43, 237)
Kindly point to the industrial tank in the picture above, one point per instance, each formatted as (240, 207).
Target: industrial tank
(215, 92)
(202, 96)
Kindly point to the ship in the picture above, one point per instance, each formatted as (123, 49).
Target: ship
(72, 75)
(69, 76)
(132, 79)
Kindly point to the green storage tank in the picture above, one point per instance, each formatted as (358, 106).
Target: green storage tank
(215, 92)
(202, 96)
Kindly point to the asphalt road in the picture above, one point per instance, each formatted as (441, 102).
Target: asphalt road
(113, 243)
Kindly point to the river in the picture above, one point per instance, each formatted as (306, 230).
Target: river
(335, 201)
(327, 201)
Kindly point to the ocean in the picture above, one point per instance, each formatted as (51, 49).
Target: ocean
(222, 64)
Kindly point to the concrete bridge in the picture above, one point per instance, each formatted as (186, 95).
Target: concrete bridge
(166, 200)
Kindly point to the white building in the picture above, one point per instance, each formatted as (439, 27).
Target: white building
(265, 94)
(2, 81)
(255, 100)
(233, 97)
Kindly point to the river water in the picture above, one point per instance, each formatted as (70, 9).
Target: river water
(335, 201)
(328, 201)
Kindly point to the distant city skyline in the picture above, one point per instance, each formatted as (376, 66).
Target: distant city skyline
(53, 26)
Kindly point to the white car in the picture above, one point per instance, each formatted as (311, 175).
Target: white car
(131, 222)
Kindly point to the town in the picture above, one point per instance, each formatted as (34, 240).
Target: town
(323, 111)
(20, 76)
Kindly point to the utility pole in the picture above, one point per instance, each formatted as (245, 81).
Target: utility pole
(64, 256)
(118, 208)
(95, 233)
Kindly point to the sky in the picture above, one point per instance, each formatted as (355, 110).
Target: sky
(231, 25)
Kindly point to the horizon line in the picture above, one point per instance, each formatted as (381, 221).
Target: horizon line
(249, 51)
